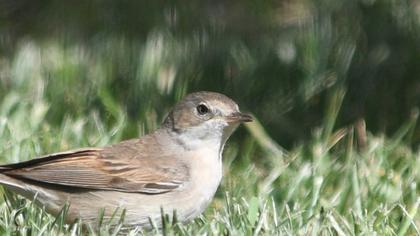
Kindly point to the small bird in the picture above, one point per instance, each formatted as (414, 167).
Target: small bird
(176, 168)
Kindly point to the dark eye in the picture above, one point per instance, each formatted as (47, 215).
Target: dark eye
(202, 109)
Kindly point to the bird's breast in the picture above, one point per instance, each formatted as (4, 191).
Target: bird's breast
(205, 177)
(206, 167)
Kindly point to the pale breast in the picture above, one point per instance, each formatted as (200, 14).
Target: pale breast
(206, 174)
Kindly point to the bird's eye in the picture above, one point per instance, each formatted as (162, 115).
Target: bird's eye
(202, 109)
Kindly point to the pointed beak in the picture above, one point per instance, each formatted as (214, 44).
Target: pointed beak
(238, 117)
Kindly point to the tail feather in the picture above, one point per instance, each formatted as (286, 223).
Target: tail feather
(43, 197)
(9, 181)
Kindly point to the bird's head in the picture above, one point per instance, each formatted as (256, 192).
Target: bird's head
(206, 116)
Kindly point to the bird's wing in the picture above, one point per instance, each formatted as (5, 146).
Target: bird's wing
(94, 169)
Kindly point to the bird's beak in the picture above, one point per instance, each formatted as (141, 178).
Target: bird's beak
(238, 117)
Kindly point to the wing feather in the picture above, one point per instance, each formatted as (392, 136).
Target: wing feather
(94, 170)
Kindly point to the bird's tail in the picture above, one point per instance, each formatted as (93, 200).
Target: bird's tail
(9, 182)
(3, 168)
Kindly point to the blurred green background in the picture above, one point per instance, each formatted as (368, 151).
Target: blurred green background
(334, 86)
(279, 59)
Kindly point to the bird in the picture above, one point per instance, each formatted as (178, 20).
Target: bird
(175, 169)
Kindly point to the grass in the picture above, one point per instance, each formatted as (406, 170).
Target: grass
(343, 181)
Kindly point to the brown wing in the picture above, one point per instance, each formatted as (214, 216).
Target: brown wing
(95, 169)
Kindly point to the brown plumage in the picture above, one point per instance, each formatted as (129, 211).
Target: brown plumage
(99, 169)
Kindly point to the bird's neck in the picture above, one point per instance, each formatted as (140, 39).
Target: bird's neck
(197, 138)
(192, 140)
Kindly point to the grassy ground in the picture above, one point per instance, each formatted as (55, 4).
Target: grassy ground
(343, 181)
